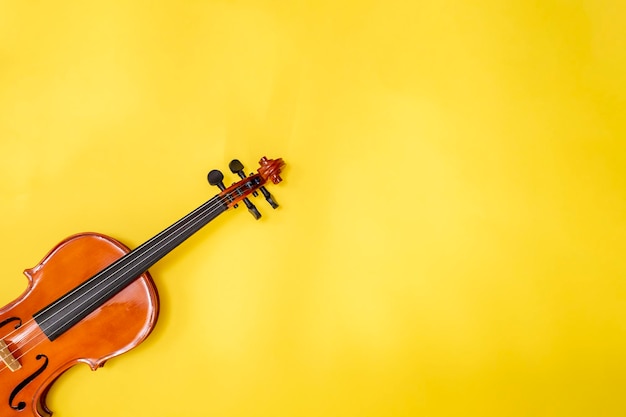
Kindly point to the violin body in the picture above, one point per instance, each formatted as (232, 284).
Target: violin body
(117, 326)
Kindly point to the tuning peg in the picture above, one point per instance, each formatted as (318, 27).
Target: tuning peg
(252, 209)
(215, 178)
(269, 197)
(236, 167)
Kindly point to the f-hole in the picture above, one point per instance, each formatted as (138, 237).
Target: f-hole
(21, 405)
(9, 320)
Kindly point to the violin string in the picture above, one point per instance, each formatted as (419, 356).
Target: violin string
(37, 334)
(118, 275)
(181, 232)
(187, 217)
(191, 224)
(72, 291)
(23, 335)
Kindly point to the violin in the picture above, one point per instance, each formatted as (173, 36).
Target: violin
(91, 299)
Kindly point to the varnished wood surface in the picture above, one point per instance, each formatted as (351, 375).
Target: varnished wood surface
(116, 327)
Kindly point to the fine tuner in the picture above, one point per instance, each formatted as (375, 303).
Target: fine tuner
(216, 178)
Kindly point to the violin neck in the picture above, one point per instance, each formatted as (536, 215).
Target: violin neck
(146, 255)
(100, 288)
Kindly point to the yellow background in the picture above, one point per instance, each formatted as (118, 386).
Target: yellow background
(452, 227)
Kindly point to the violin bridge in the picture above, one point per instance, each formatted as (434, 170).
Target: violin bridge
(7, 357)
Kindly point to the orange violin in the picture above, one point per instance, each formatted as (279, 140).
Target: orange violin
(91, 298)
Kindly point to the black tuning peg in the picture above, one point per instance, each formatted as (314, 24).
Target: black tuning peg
(252, 209)
(269, 197)
(236, 167)
(216, 177)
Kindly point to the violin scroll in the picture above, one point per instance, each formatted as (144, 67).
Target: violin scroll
(270, 169)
